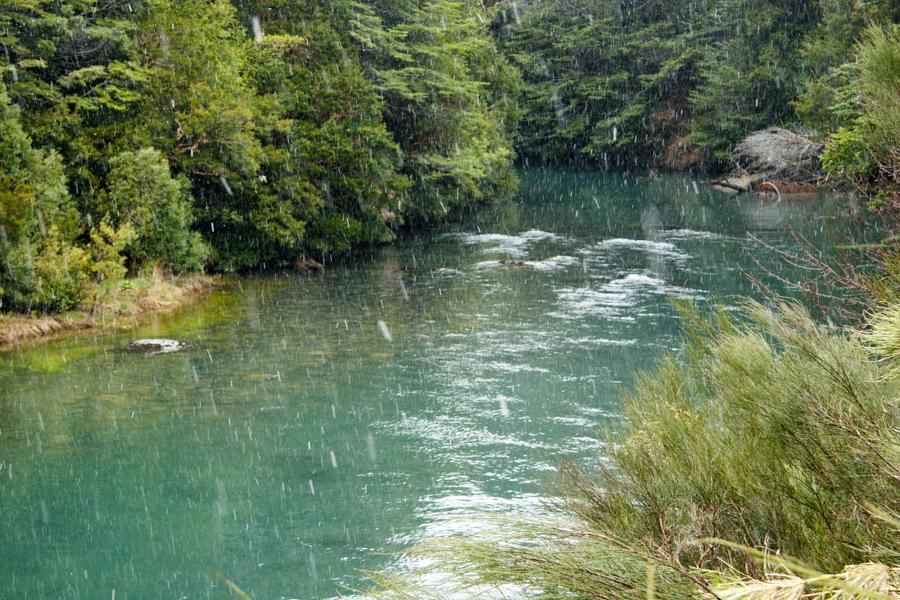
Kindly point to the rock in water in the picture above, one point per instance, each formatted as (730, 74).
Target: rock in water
(309, 266)
(156, 346)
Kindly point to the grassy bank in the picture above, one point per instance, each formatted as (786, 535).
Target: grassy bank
(121, 306)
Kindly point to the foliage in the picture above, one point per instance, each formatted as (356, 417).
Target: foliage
(333, 151)
(447, 93)
(40, 267)
(883, 338)
(869, 580)
(867, 150)
(603, 85)
(276, 128)
(107, 250)
(753, 72)
(61, 274)
(271, 129)
(676, 84)
(142, 196)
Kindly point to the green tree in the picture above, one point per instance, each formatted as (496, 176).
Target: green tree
(752, 73)
(867, 151)
(331, 147)
(142, 194)
(72, 67)
(825, 51)
(606, 83)
(448, 93)
(39, 266)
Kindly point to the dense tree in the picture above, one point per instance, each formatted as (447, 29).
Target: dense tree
(675, 83)
(449, 101)
(867, 150)
(142, 195)
(332, 147)
(753, 72)
(39, 267)
(606, 82)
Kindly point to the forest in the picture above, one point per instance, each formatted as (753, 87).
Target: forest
(192, 135)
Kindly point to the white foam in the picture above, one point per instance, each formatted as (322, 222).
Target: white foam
(649, 246)
(554, 263)
(515, 246)
(617, 299)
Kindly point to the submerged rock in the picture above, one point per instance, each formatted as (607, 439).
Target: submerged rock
(156, 346)
(509, 263)
(309, 266)
(724, 189)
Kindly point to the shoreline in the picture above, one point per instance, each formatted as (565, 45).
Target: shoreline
(137, 300)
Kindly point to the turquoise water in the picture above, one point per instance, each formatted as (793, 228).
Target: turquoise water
(317, 423)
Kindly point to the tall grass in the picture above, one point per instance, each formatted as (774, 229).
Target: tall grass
(774, 433)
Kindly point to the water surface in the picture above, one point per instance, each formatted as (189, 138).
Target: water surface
(316, 423)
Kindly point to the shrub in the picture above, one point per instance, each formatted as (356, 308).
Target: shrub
(868, 151)
(39, 266)
(142, 193)
(61, 274)
(106, 247)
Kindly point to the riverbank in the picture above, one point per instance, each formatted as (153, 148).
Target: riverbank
(133, 301)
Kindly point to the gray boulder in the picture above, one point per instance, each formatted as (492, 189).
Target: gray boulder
(156, 346)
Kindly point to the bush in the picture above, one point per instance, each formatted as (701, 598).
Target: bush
(868, 151)
(141, 193)
(61, 275)
(106, 247)
(39, 266)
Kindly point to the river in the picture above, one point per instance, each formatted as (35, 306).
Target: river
(315, 424)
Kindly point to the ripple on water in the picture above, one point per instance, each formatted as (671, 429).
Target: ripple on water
(446, 432)
(665, 249)
(693, 234)
(617, 299)
(514, 246)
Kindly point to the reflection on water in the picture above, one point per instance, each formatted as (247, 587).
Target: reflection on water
(316, 423)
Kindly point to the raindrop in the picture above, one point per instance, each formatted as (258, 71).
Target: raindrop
(370, 446)
(385, 332)
(257, 28)
(504, 409)
(225, 185)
